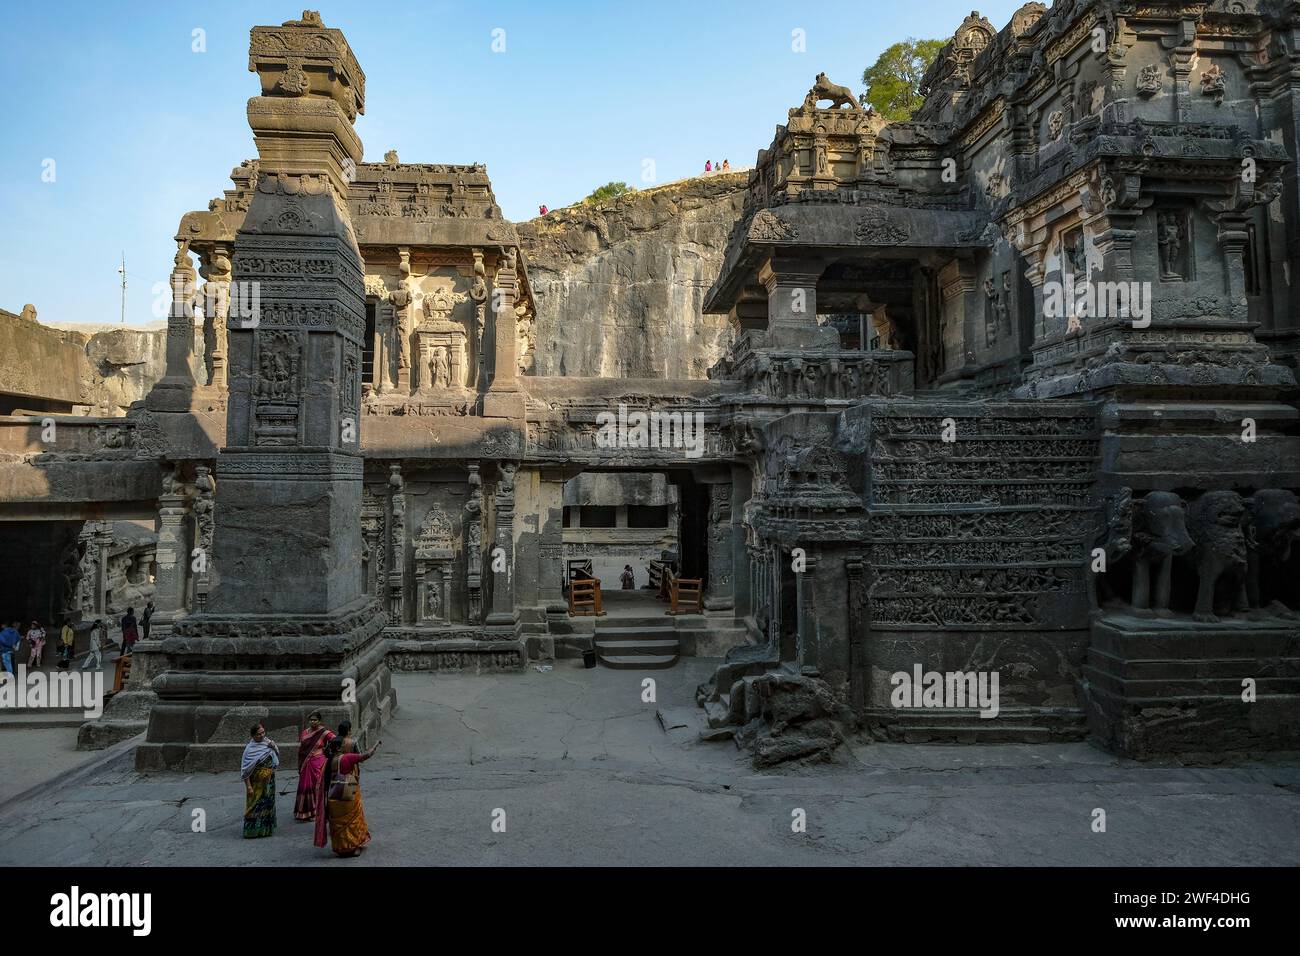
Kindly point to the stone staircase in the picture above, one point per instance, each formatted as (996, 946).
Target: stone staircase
(637, 643)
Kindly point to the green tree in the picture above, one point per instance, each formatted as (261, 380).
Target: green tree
(893, 82)
(608, 191)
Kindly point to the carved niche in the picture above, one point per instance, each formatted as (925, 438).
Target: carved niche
(433, 564)
(277, 388)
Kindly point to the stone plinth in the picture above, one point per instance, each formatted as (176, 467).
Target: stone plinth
(1173, 686)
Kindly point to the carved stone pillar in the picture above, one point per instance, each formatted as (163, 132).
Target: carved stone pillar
(103, 545)
(174, 391)
(397, 570)
(806, 642)
(502, 556)
(473, 531)
(403, 308)
(1233, 236)
(721, 593)
(550, 558)
(792, 302)
(173, 556)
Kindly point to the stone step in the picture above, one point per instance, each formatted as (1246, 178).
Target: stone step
(609, 623)
(638, 647)
(638, 661)
(635, 634)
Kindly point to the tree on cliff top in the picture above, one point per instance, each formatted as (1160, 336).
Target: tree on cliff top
(608, 191)
(893, 82)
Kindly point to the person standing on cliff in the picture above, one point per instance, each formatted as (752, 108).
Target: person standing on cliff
(708, 166)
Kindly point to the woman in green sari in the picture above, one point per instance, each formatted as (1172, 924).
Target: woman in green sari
(261, 757)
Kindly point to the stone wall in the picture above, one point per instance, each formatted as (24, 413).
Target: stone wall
(620, 285)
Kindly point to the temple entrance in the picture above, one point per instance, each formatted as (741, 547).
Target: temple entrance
(621, 520)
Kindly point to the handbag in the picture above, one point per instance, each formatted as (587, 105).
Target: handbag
(343, 787)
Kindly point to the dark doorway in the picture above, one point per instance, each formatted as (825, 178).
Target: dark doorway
(694, 533)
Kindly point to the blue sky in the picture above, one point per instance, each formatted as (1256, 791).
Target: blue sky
(142, 128)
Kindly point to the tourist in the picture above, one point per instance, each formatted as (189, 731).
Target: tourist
(345, 734)
(311, 762)
(342, 813)
(145, 618)
(261, 757)
(36, 642)
(9, 639)
(67, 637)
(628, 577)
(542, 210)
(726, 165)
(708, 166)
(98, 642)
(129, 632)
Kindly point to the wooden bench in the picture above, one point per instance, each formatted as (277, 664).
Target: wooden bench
(687, 596)
(584, 597)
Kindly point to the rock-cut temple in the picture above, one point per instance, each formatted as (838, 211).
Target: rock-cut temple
(1008, 387)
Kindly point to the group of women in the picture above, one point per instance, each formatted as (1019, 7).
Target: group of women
(329, 785)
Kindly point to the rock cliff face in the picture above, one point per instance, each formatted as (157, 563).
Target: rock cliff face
(620, 285)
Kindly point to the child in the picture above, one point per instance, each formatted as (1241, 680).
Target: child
(36, 640)
(66, 637)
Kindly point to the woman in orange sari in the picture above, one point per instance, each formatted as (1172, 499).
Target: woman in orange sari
(339, 800)
(311, 763)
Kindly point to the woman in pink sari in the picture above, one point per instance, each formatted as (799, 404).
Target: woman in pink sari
(311, 762)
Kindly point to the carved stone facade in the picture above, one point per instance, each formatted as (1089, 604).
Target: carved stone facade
(1011, 388)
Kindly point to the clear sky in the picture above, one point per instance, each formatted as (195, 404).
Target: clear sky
(141, 128)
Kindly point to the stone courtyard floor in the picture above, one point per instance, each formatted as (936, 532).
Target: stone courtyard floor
(585, 774)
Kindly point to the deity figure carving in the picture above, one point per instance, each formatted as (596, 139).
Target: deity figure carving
(1169, 234)
(1213, 83)
(1148, 80)
(1055, 125)
(439, 368)
(1217, 524)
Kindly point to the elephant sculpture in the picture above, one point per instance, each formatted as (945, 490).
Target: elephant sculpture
(1273, 528)
(1218, 528)
(1153, 529)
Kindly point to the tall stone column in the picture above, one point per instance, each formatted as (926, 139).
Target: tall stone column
(502, 556)
(287, 628)
(503, 398)
(174, 391)
(173, 556)
(550, 563)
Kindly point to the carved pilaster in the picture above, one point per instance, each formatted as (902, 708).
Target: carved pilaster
(397, 571)
(502, 556)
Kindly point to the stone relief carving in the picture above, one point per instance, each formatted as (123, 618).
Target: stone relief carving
(1149, 80)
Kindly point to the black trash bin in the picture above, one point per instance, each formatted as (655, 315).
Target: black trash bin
(589, 658)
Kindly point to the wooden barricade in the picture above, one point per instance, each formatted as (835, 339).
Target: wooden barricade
(121, 672)
(584, 597)
(687, 597)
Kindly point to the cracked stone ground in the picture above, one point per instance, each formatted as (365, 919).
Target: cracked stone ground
(586, 775)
